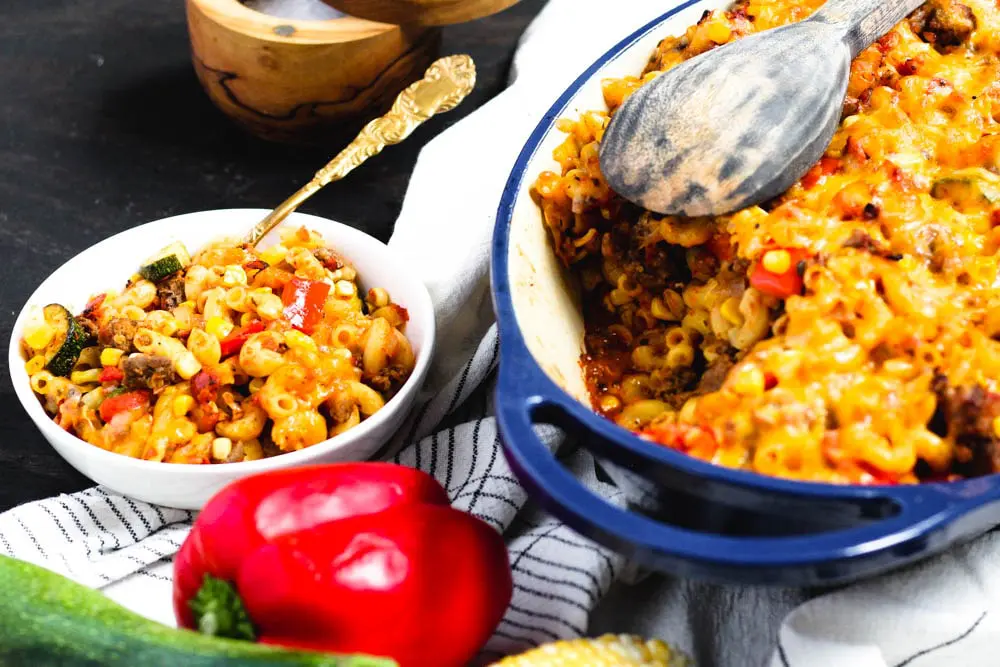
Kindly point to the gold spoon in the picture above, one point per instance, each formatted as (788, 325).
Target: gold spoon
(445, 84)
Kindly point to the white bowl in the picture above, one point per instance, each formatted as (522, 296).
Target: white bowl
(109, 264)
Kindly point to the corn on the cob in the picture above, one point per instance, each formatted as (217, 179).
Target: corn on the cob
(605, 651)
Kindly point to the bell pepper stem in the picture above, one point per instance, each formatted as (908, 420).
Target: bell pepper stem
(219, 611)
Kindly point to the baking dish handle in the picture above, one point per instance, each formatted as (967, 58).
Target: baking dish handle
(929, 517)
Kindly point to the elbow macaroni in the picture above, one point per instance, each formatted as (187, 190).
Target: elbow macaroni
(858, 365)
(240, 383)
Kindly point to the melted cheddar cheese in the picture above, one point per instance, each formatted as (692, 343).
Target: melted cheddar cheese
(847, 331)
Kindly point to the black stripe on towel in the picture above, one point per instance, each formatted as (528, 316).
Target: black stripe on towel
(121, 517)
(560, 582)
(514, 638)
(552, 596)
(563, 566)
(58, 523)
(450, 465)
(31, 536)
(6, 545)
(548, 634)
(579, 632)
(138, 513)
(97, 522)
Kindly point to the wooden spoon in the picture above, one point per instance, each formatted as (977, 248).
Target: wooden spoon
(445, 84)
(742, 123)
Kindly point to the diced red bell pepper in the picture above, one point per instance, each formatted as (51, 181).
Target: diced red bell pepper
(131, 400)
(111, 374)
(780, 285)
(347, 558)
(825, 167)
(304, 301)
(232, 343)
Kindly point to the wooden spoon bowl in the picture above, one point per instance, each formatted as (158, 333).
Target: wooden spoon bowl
(299, 81)
(421, 12)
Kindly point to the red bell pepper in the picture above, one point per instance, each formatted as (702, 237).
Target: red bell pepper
(304, 301)
(111, 374)
(232, 343)
(131, 400)
(348, 558)
(781, 285)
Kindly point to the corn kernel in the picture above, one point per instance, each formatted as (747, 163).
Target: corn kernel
(35, 364)
(730, 310)
(256, 384)
(719, 32)
(234, 275)
(749, 381)
(219, 327)
(221, 448)
(610, 403)
(188, 304)
(777, 261)
(345, 288)
(996, 426)
(110, 356)
(275, 254)
(182, 405)
(247, 318)
(601, 651)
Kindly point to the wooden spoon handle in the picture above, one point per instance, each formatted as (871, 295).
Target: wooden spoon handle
(865, 20)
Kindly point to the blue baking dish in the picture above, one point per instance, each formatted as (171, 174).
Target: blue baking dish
(689, 518)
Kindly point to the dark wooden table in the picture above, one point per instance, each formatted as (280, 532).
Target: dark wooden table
(103, 127)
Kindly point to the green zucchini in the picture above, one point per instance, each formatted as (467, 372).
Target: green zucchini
(968, 188)
(165, 263)
(62, 353)
(46, 619)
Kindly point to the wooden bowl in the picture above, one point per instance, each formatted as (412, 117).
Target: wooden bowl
(298, 81)
(421, 12)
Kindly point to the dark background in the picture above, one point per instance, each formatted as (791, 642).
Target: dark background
(103, 126)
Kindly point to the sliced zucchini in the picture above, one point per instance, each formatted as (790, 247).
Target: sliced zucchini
(68, 340)
(968, 188)
(165, 263)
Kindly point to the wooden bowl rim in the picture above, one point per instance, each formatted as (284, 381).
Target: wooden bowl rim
(239, 18)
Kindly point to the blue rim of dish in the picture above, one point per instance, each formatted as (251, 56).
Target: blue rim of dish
(514, 350)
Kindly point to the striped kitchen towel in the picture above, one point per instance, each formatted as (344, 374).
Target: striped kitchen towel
(125, 547)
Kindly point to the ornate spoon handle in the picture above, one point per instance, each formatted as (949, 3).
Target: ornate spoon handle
(445, 84)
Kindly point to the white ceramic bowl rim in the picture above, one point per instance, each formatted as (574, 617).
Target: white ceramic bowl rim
(422, 308)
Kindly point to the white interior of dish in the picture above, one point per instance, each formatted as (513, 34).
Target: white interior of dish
(544, 299)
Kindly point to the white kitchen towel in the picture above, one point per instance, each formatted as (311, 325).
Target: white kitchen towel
(942, 613)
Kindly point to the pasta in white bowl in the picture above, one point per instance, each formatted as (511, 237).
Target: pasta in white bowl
(309, 349)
